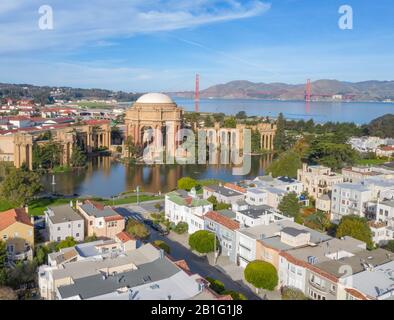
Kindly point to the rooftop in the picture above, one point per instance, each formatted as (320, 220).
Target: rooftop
(154, 98)
(9, 217)
(358, 262)
(63, 213)
(222, 220)
(98, 210)
(264, 232)
(256, 211)
(223, 191)
(97, 284)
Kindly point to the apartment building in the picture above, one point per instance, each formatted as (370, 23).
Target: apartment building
(142, 274)
(263, 242)
(257, 215)
(182, 206)
(318, 180)
(285, 236)
(223, 224)
(349, 198)
(283, 183)
(62, 222)
(100, 220)
(358, 174)
(293, 264)
(17, 231)
(332, 279)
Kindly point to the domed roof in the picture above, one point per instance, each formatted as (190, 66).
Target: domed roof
(154, 98)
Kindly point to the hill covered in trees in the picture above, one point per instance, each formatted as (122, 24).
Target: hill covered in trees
(47, 94)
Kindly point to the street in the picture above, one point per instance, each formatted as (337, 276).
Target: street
(180, 250)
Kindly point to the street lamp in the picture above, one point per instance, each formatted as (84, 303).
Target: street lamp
(138, 194)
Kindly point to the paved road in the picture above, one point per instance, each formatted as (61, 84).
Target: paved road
(179, 251)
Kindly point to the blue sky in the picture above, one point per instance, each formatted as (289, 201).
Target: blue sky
(158, 45)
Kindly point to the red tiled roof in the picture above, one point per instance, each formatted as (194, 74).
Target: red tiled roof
(306, 265)
(113, 218)
(94, 122)
(356, 294)
(183, 265)
(235, 187)
(223, 220)
(387, 148)
(9, 217)
(96, 204)
(124, 236)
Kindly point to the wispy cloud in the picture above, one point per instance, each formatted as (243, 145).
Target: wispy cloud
(83, 21)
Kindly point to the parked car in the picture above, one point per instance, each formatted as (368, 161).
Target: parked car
(148, 222)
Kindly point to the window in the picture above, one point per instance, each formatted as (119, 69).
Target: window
(5, 237)
(77, 234)
(79, 225)
(58, 228)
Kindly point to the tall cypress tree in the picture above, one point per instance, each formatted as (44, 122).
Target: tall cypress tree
(280, 135)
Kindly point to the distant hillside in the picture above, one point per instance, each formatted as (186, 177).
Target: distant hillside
(46, 94)
(323, 90)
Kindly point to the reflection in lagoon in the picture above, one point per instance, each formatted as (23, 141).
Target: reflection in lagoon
(105, 177)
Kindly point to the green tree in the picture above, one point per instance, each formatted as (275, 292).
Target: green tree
(181, 227)
(230, 123)
(217, 206)
(255, 141)
(208, 123)
(280, 135)
(389, 246)
(356, 227)
(219, 117)
(290, 205)
(241, 115)
(261, 274)
(137, 229)
(41, 254)
(162, 245)
(286, 165)
(20, 186)
(328, 151)
(47, 156)
(186, 183)
(202, 241)
(78, 158)
(66, 243)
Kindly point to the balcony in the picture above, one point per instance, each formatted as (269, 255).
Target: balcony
(318, 286)
(27, 255)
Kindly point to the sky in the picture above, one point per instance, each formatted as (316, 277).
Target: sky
(159, 45)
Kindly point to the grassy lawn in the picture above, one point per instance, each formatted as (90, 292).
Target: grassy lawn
(37, 207)
(130, 199)
(365, 162)
(5, 205)
(91, 104)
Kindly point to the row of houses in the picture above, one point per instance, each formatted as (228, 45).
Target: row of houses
(322, 267)
(84, 219)
(119, 270)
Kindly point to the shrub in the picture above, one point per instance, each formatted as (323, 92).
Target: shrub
(261, 274)
(181, 227)
(202, 241)
(216, 285)
(162, 245)
(234, 294)
(137, 229)
(291, 293)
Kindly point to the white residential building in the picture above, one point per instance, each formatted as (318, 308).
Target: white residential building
(348, 198)
(62, 222)
(181, 206)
